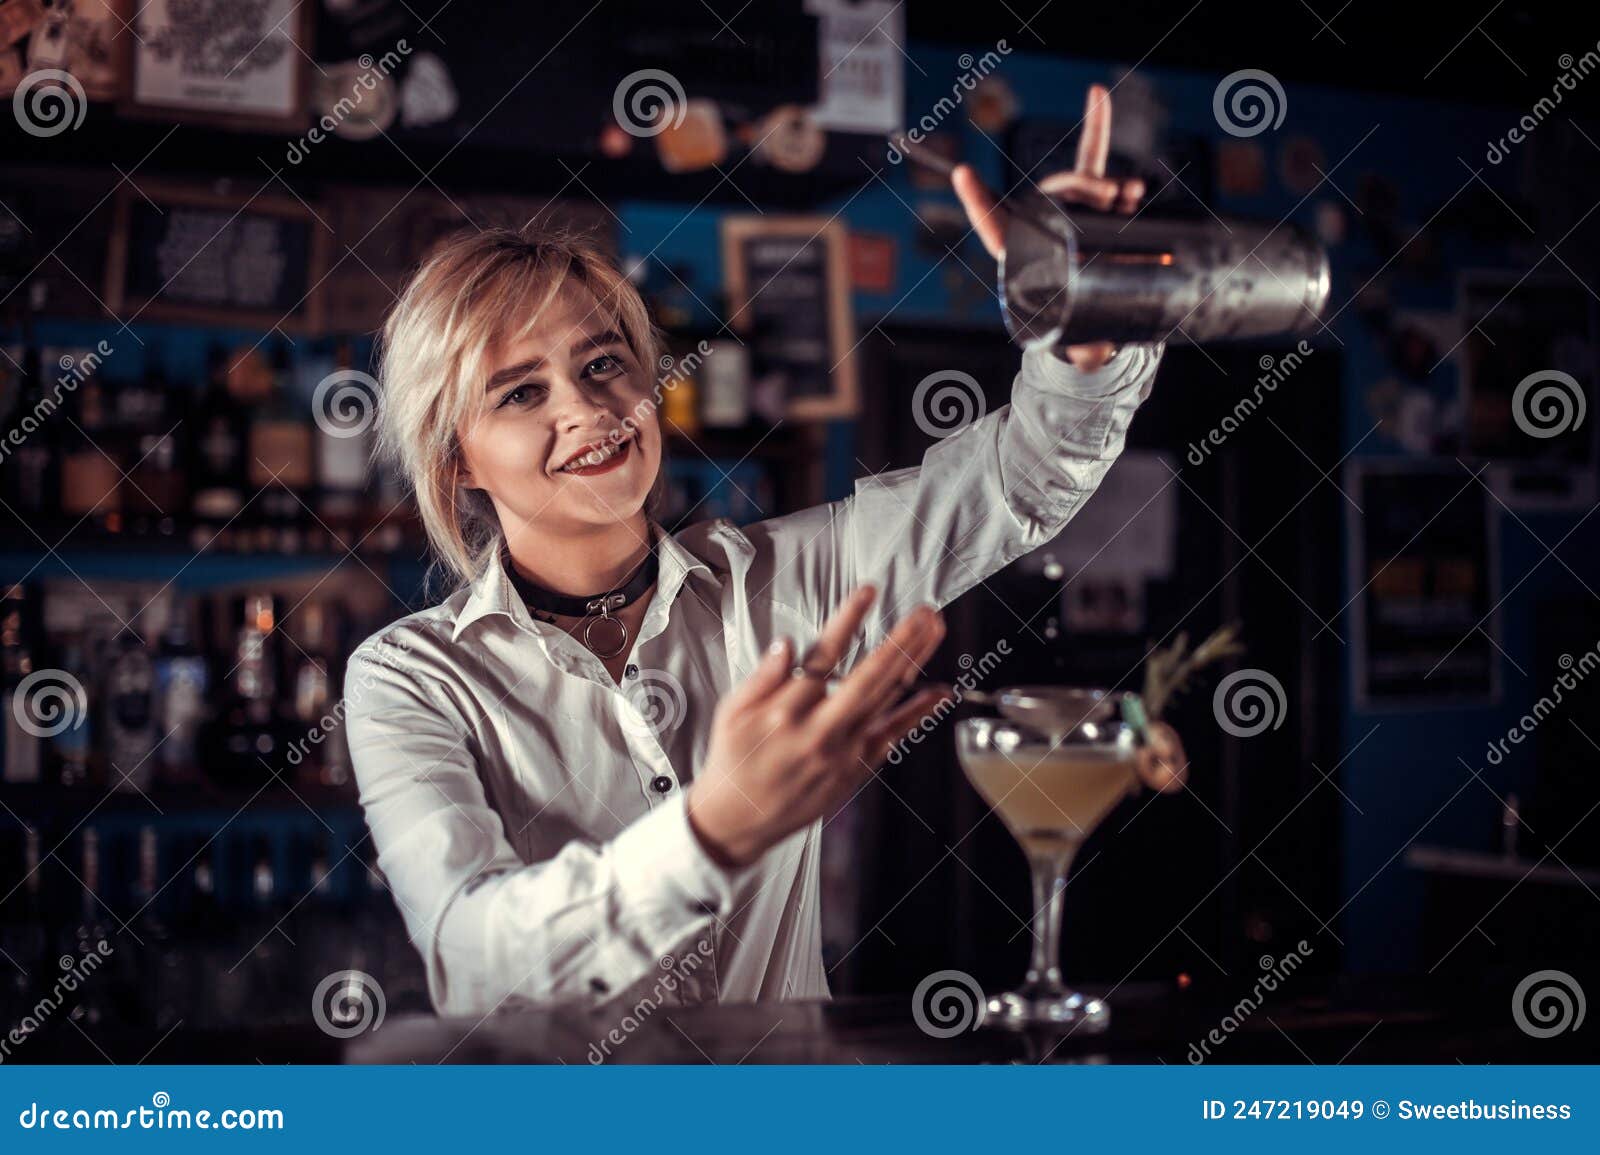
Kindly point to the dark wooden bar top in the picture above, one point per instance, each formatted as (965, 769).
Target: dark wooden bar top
(1331, 1021)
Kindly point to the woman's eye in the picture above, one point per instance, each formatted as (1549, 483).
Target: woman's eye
(518, 396)
(603, 366)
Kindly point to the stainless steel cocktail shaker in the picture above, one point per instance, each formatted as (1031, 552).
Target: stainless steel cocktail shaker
(1071, 276)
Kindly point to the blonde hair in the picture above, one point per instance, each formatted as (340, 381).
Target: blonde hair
(468, 297)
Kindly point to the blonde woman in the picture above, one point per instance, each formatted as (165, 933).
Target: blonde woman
(612, 746)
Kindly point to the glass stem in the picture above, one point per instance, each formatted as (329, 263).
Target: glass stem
(1049, 875)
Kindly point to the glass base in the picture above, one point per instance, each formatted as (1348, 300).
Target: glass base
(1068, 1010)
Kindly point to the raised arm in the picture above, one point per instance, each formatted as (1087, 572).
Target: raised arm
(1004, 485)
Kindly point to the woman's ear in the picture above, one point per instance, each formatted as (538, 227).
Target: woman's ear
(463, 474)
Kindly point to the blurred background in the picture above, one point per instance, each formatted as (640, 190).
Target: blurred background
(206, 208)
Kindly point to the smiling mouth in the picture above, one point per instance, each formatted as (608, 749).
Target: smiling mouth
(597, 457)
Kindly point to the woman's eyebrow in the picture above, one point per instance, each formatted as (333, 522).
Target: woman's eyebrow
(514, 373)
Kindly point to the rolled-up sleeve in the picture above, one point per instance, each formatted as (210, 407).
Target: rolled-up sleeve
(587, 923)
(1003, 486)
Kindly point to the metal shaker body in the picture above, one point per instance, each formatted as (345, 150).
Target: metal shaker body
(1073, 278)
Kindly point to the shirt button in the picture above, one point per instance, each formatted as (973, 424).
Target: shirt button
(630, 671)
(661, 784)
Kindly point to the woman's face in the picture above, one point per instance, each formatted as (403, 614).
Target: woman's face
(566, 438)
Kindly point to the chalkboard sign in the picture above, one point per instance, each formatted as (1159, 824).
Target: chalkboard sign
(184, 254)
(788, 282)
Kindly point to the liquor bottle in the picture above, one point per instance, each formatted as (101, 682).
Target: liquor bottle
(156, 491)
(24, 743)
(311, 696)
(32, 473)
(201, 925)
(218, 457)
(182, 678)
(129, 721)
(90, 932)
(158, 975)
(344, 456)
(72, 747)
(91, 475)
(247, 744)
(280, 460)
(23, 931)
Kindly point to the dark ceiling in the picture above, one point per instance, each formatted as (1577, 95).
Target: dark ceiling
(1475, 50)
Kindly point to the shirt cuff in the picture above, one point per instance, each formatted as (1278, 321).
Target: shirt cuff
(1054, 372)
(660, 862)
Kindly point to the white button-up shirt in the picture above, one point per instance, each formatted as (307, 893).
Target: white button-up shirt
(528, 811)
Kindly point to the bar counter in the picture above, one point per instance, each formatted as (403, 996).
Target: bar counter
(1330, 1021)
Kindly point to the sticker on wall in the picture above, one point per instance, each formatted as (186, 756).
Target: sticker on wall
(1301, 163)
(358, 103)
(789, 139)
(427, 94)
(872, 262)
(1241, 168)
(696, 140)
(1331, 224)
(994, 105)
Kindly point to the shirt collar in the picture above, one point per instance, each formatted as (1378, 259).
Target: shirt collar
(492, 592)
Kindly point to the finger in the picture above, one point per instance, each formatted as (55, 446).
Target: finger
(771, 672)
(884, 672)
(1094, 145)
(838, 632)
(1080, 188)
(987, 217)
(1130, 196)
(830, 647)
(896, 724)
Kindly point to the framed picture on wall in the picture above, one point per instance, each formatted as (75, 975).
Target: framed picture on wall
(1424, 562)
(216, 257)
(83, 38)
(247, 70)
(788, 287)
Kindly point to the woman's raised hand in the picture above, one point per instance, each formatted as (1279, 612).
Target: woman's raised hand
(1085, 183)
(784, 751)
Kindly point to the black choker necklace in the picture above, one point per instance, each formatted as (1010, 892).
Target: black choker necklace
(605, 635)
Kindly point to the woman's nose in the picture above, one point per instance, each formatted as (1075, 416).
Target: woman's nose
(574, 406)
